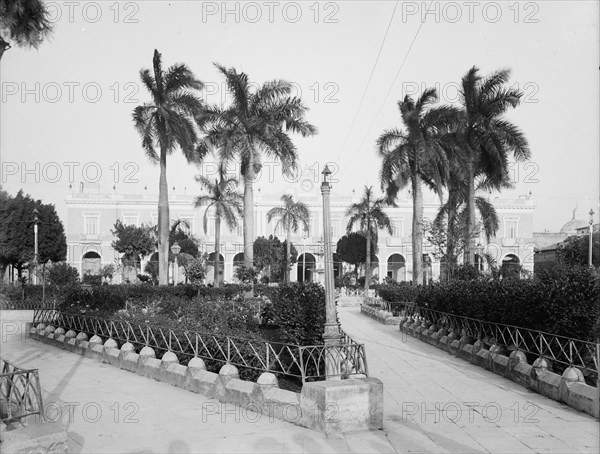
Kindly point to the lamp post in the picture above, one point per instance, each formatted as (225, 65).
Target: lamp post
(590, 264)
(175, 249)
(47, 264)
(304, 237)
(331, 333)
(36, 220)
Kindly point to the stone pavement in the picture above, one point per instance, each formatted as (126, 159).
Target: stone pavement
(105, 409)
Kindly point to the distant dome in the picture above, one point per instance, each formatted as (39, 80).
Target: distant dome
(575, 223)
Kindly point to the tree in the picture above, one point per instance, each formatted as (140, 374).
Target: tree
(574, 251)
(133, 242)
(17, 233)
(226, 203)
(416, 155)
(171, 119)
(270, 257)
(195, 270)
(62, 274)
(25, 22)
(485, 137)
(369, 216)
(352, 248)
(290, 216)
(184, 238)
(448, 242)
(257, 122)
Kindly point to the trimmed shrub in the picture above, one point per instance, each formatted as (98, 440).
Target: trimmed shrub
(298, 309)
(398, 291)
(563, 301)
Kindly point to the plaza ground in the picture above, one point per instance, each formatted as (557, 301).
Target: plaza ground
(433, 403)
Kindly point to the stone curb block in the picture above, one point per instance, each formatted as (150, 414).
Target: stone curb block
(284, 405)
(500, 365)
(149, 368)
(581, 396)
(174, 374)
(82, 347)
(202, 382)
(521, 373)
(96, 352)
(111, 356)
(129, 361)
(548, 384)
(239, 392)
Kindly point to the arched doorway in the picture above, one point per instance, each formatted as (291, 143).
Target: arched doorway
(152, 267)
(397, 267)
(210, 275)
(131, 267)
(444, 270)
(238, 260)
(375, 269)
(337, 266)
(306, 265)
(511, 267)
(91, 263)
(427, 269)
(479, 262)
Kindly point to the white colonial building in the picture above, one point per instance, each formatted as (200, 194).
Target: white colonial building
(91, 215)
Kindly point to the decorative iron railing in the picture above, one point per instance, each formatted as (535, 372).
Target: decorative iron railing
(27, 305)
(20, 392)
(351, 292)
(396, 308)
(559, 349)
(303, 362)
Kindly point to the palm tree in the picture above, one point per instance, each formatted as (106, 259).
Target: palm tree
(486, 137)
(169, 120)
(290, 216)
(453, 213)
(26, 22)
(257, 121)
(416, 155)
(227, 204)
(369, 216)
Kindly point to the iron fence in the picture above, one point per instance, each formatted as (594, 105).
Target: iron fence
(302, 362)
(396, 308)
(20, 392)
(27, 305)
(559, 349)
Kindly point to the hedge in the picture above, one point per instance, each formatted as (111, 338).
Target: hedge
(562, 301)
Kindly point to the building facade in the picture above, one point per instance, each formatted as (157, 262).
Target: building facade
(91, 215)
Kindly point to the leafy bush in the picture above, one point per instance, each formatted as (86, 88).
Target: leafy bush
(299, 310)
(398, 291)
(563, 301)
(92, 279)
(63, 274)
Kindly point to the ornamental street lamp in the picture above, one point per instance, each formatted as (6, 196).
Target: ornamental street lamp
(304, 237)
(590, 264)
(47, 264)
(36, 220)
(175, 249)
(332, 334)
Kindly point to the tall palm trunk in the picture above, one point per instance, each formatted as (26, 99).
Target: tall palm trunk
(417, 230)
(249, 215)
(469, 256)
(288, 255)
(368, 270)
(163, 221)
(450, 243)
(217, 248)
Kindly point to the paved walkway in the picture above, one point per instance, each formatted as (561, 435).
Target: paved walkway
(105, 409)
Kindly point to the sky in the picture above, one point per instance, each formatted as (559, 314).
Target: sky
(66, 112)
